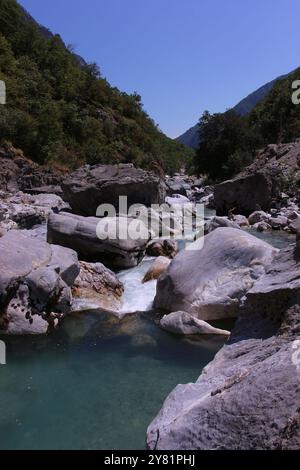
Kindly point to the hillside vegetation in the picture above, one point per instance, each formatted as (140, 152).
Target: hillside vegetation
(191, 137)
(230, 142)
(60, 109)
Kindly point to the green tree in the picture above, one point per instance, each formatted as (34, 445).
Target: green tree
(226, 145)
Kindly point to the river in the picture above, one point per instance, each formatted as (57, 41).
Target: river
(98, 382)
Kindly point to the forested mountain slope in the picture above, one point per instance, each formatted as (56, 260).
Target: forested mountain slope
(60, 109)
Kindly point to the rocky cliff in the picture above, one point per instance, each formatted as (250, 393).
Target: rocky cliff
(275, 169)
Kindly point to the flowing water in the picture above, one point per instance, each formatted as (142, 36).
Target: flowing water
(137, 296)
(99, 381)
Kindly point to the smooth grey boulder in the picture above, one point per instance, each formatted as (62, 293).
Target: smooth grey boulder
(35, 280)
(183, 323)
(244, 193)
(89, 186)
(248, 398)
(82, 235)
(210, 281)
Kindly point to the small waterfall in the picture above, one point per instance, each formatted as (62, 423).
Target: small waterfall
(138, 297)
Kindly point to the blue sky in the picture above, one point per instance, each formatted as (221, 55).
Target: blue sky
(182, 56)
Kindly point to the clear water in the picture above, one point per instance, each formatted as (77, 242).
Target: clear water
(97, 383)
(278, 239)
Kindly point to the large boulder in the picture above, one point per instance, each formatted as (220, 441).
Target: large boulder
(94, 242)
(248, 397)
(182, 323)
(210, 281)
(90, 186)
(244, 194)
(276, 168)
(35, 283)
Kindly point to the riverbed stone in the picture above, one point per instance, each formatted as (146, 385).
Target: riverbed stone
(257, 217)
(158, 267)
(210, 279)
(241, 220)
(82, 235)
(25, 211)
(183, 323)
(99, 285)
(295, 227)
(244, 193)
(279, 222)
(90, 186)
(35, 280)
(217, 222)
(262, 226)
(177, 199)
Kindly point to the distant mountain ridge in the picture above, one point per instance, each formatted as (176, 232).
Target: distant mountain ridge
(191, 139)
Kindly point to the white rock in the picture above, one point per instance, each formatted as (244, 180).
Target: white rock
(183, 323)
(210, 282)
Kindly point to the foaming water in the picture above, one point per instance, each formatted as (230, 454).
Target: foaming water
(137, 297)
